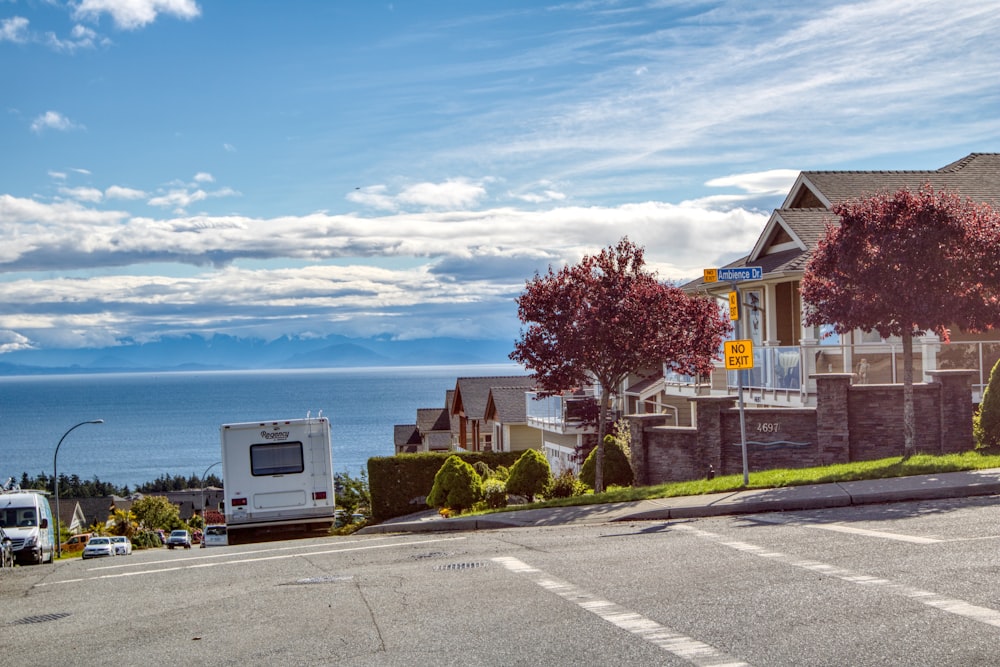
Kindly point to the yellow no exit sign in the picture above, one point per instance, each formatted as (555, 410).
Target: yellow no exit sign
(734, 305)
(739, 354)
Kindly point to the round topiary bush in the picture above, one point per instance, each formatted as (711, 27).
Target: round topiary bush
(494, 494)
(530, 475)
(457, 486)
(617, 470)
(986, 425)
(565, 485)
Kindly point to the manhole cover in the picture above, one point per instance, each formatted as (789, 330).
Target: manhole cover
(42, 618)
(460, 566)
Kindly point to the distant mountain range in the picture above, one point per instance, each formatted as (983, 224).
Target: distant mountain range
(222, 352)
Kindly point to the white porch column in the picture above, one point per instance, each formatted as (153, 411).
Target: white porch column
(929, 346)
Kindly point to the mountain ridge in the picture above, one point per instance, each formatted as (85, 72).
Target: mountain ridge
(224, 352)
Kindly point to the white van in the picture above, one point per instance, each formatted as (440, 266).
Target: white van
(27, 519)
(214, 535)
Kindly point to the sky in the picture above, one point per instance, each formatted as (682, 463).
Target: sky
(401, 169)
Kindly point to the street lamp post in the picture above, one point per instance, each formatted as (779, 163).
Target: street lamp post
(55, 479)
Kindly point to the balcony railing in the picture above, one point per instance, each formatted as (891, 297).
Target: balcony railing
(786, 369)
(562, 411)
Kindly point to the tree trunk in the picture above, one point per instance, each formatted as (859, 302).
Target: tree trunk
(599, 459)
(909, 417)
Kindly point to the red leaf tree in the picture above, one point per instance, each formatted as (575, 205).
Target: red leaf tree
(607, 317)
(903, 263)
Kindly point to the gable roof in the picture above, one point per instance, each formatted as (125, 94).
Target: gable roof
(976, 176)
(792, 232)
(507, 405)
(433, 419)
(405, 434)
(471, 393)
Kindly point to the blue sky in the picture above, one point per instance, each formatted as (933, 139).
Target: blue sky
(400, 169)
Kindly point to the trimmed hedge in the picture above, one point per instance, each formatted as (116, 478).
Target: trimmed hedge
(400, 484)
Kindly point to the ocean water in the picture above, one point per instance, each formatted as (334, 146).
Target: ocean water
(168, 423)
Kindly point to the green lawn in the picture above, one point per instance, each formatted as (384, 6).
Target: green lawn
(919, 464)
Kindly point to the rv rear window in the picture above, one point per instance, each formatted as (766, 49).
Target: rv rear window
(282, 458)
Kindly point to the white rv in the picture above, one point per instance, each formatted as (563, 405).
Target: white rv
(278, 477)
(27, 519)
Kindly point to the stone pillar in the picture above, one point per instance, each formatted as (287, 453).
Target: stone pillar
(955, 409)
(637, 425)
(709, 424)
(833, 433)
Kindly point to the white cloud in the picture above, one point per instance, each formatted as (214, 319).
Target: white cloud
(451, 194)
(53, 120)
(179, 199)
(81, 37)
(14, 29)
(771, 182)
(204, 177)
(134, 14)
(91, 195)
(119, 192)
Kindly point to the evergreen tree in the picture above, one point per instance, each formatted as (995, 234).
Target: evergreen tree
(530, 475)
(617, 470)
(457, 485)
(986, 425)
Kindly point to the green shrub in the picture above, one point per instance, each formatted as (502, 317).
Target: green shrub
(399, 484)
(146, 539)
(483, 468)
(565, 485)
(494, 494)
(617, 470)
(530, 475)
(986, 424)
(457, 486)
(502, 473)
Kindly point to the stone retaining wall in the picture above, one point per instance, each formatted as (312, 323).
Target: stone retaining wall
(849, 423)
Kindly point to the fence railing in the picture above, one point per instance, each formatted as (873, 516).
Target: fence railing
(787, 367)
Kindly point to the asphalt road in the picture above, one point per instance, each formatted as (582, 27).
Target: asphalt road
(904, 584)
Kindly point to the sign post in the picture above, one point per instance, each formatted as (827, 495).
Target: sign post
(739, 357)
(738, 353)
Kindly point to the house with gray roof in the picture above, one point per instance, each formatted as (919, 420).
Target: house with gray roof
(506, 410)
(475, 433)
(786, 351)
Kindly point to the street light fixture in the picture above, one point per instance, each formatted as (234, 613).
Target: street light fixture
(55, 479)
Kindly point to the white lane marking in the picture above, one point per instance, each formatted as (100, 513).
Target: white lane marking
(216, 555)
(684, 647)
(984, 615)
(793, 520)
(240, 561)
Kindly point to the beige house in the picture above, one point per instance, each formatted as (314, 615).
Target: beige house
(786, 351)
(506, 411)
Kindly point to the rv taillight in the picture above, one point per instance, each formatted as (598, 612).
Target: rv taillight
(319, 495)
(237, 502)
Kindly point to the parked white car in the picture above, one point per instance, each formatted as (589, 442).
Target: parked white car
(123, 545)
(179, 538)
(99, 546)
(215, 536)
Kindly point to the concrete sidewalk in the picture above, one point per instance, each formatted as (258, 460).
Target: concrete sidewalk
(813, 496)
